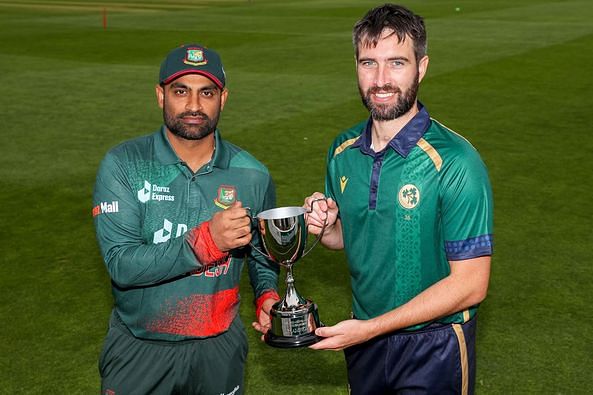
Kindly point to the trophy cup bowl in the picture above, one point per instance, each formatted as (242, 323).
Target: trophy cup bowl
(283, 233)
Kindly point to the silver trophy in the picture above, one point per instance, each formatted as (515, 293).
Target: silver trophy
(284, 237)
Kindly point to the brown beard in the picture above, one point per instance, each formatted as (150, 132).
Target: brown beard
(404, 102)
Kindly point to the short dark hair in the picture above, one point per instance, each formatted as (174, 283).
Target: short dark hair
(401, 20)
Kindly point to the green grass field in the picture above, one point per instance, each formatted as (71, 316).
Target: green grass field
(514, 77)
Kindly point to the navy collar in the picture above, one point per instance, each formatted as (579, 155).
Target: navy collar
(404, 141)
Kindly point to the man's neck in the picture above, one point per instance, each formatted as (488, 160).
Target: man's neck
(195, 153)
(382, 132)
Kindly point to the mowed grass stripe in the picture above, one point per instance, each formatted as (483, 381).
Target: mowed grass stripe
(120, 6)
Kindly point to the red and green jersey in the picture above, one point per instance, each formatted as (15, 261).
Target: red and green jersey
(406, 211)
(151, 211)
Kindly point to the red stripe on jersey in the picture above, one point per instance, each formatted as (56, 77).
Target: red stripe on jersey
(199, 315)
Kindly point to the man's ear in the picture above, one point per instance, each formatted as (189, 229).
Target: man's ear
(422, 67)
(160, 95)
(223, 96)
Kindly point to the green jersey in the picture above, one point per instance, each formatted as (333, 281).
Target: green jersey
(150, 211)
(406, 211)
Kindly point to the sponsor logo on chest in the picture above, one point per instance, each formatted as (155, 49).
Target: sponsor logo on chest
(164, 234)
(155, 192)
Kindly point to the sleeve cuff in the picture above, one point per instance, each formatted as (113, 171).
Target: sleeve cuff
(270, 294)
(472, 247)
(203, 246)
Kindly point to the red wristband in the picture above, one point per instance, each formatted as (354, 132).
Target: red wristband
(203, 246)
(270, 294)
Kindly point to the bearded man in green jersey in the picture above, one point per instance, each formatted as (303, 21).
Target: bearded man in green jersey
(410, 203)
(173, 228)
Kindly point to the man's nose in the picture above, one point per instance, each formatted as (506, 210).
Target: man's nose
(381, 76)
(193, 103)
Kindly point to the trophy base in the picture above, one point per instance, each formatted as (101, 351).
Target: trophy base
(293, 327)
(290, 341)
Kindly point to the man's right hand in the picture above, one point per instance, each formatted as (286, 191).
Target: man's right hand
(321, 211)
(231, 228)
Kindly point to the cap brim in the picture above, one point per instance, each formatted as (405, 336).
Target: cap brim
(206, 74)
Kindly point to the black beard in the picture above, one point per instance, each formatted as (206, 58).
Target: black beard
(404, 102)
(176, 126)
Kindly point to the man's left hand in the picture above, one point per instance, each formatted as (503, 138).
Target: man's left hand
(342, 335)
(264, 323)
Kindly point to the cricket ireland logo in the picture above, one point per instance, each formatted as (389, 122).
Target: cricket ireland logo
(195, 57)
(409, 196)
(226, 196)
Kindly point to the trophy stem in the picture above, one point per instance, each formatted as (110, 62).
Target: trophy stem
(289, 277)
(292, 299)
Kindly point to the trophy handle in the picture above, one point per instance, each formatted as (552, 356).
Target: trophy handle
(252, 220)
(320, 235)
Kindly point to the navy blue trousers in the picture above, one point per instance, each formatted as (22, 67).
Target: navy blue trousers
(439, 359)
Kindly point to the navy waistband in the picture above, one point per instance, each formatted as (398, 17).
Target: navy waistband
(433, 326)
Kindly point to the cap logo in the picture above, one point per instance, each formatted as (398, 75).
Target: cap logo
(195, 57)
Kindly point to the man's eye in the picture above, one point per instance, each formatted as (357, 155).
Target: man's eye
(179, 91)
(207, 93)
(367, 63)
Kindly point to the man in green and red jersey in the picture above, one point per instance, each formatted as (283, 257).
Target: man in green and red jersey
(173, 228)
(410, 203)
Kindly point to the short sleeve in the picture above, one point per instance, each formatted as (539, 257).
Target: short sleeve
(467, 208)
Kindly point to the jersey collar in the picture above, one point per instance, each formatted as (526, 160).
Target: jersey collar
(163, 150)
(166, 154)
(404, 141)
(222, 156)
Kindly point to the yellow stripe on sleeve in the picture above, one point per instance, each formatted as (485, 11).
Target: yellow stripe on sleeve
(431, 152)
(345, 145)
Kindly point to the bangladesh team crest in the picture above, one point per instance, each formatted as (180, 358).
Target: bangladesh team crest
(227, 195)
(409, 196)
(195, 57)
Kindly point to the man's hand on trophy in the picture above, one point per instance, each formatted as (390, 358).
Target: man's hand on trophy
(231, 228)
(343, 335)
(318, 210)
(264, 322)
